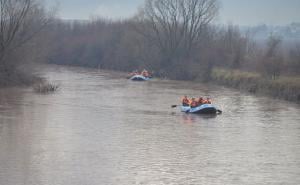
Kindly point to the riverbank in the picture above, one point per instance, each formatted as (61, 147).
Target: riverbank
(18, 79)
(287, 88)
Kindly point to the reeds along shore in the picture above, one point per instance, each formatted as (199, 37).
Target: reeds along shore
(283, 87)
(45, 87)
(202, 50)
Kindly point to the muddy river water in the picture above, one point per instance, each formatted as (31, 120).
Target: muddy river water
(100, 128)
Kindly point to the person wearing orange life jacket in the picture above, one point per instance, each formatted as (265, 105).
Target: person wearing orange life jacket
(194, 103)
(208, 101)
(145, 73)
(185, 101)
(200, 101)
(135, 72)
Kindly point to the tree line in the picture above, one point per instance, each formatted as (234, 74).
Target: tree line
(22, 39)
(176, 39)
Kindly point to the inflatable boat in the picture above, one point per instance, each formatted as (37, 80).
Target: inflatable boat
(202, 109)
(139, 78)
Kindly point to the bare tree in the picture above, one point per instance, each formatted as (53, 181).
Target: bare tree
(176, 26)
(272, 60)
(20, 21)
(13, 15)
(294, 59)
(235, 45)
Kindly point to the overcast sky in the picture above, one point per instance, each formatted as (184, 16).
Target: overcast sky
(242, 12)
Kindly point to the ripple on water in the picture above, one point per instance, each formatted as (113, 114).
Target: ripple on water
(100, 128)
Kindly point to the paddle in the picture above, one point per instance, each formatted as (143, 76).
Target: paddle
(173, 106)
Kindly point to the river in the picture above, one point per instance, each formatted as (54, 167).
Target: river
(101, 128)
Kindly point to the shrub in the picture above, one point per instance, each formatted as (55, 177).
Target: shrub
(45, 87)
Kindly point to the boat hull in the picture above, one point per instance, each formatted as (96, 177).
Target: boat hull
(139, 78)
(202, 109)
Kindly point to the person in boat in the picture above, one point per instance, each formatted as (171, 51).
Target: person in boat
(135, 72)
(200, 101)
(145, 73)
(208, 101)
(185, 101)
(194, 103)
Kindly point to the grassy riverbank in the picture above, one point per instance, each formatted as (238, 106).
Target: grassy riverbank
(284, 87)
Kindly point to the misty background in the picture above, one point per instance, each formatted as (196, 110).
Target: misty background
(260, 40)
(241, 12)
(263, 17)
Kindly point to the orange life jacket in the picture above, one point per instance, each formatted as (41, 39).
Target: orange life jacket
(185, 101)
(200, 101)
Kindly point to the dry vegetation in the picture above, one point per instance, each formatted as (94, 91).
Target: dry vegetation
(174, 39)
(178, 44)
(23, 39)
(283, 87)
(45, 87)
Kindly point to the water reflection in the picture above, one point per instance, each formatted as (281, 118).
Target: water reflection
(194, 118)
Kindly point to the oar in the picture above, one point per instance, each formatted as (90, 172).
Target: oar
(173, 106)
